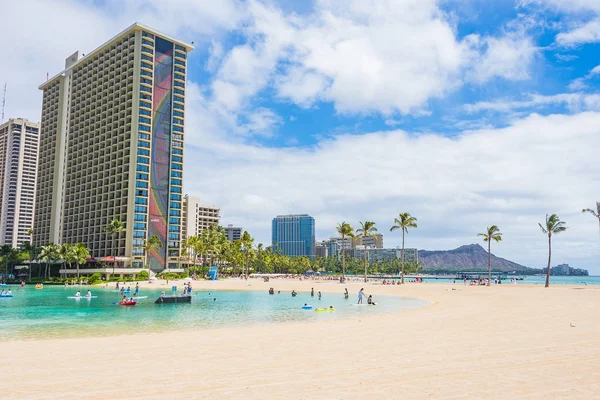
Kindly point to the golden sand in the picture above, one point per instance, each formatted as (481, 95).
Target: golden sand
(501, 342)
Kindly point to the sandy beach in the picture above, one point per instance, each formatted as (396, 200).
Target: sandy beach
(502, 342)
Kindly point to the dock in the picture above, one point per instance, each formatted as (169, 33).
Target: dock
(174, 299)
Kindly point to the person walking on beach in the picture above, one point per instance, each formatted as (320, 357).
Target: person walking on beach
(361, 293)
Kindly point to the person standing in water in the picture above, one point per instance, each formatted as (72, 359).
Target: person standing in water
(137, 288)
(319, 295)
(312, 292)
(346, 294)
(361, 293)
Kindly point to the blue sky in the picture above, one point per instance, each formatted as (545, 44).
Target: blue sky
(463, 113)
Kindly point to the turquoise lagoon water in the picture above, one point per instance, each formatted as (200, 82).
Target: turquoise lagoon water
(48, 313)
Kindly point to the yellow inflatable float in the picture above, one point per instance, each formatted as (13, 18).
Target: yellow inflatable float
(39, 286)
(330, 309)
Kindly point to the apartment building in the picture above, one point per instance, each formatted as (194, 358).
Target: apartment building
(19, 142)
(112, 147)
(198, 216)
(233, 233)
(372, 242)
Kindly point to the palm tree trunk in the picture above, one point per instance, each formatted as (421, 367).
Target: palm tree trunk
(365, 262)
(549, 256)
(77, 269)
(343, 261)
(489, 262)
(115, 260)
(402, 279)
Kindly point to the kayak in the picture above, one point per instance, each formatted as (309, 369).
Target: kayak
(140, 297)
(324, 309)
(127, 303)
(82, 297)
(6, 295)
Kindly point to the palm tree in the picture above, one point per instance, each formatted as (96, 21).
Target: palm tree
(31, 251)
(492, 233)
(344, 230)
(553, 226)
(367, 229)
(404, 221)
(50, 254)
(594, 213)
(247, 240)
(114, 229)
(67, 254)
(80, 255)
(152, 243)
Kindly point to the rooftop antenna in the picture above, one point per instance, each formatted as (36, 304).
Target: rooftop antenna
(3, 102)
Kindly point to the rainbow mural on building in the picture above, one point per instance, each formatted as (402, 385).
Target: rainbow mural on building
(161, 150)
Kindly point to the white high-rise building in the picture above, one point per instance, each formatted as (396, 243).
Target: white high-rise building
(198, 216)
(19, 143)
(111, 148)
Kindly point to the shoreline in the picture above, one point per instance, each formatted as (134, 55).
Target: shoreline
(505, 341)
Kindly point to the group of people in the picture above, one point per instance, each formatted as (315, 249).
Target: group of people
(361, 294)
(187, 288)
(78, 294)
(312, 293)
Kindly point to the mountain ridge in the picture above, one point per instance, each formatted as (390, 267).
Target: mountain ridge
(472, 257)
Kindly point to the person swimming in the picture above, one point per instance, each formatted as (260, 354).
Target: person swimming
(294, 293)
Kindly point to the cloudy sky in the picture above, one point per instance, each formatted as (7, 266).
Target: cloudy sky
(464, 113)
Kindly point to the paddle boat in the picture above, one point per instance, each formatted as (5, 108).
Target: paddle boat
(6, 294)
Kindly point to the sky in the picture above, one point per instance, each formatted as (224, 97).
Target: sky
(463, 113)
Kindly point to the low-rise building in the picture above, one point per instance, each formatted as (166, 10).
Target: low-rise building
(233, 233)
(375, 241)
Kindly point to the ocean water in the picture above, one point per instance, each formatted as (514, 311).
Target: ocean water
(48, 313)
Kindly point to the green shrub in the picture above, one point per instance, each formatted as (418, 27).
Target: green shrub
(94, 278)
(142, 276)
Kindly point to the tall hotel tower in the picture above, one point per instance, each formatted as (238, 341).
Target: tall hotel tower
(111, 147)
(19, 140)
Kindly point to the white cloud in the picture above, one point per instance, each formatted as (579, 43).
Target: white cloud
(386, 57)
(456, 186)
(506, 57)
(587, 33)
(575, 102)
(586, 25)
(595, 70)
